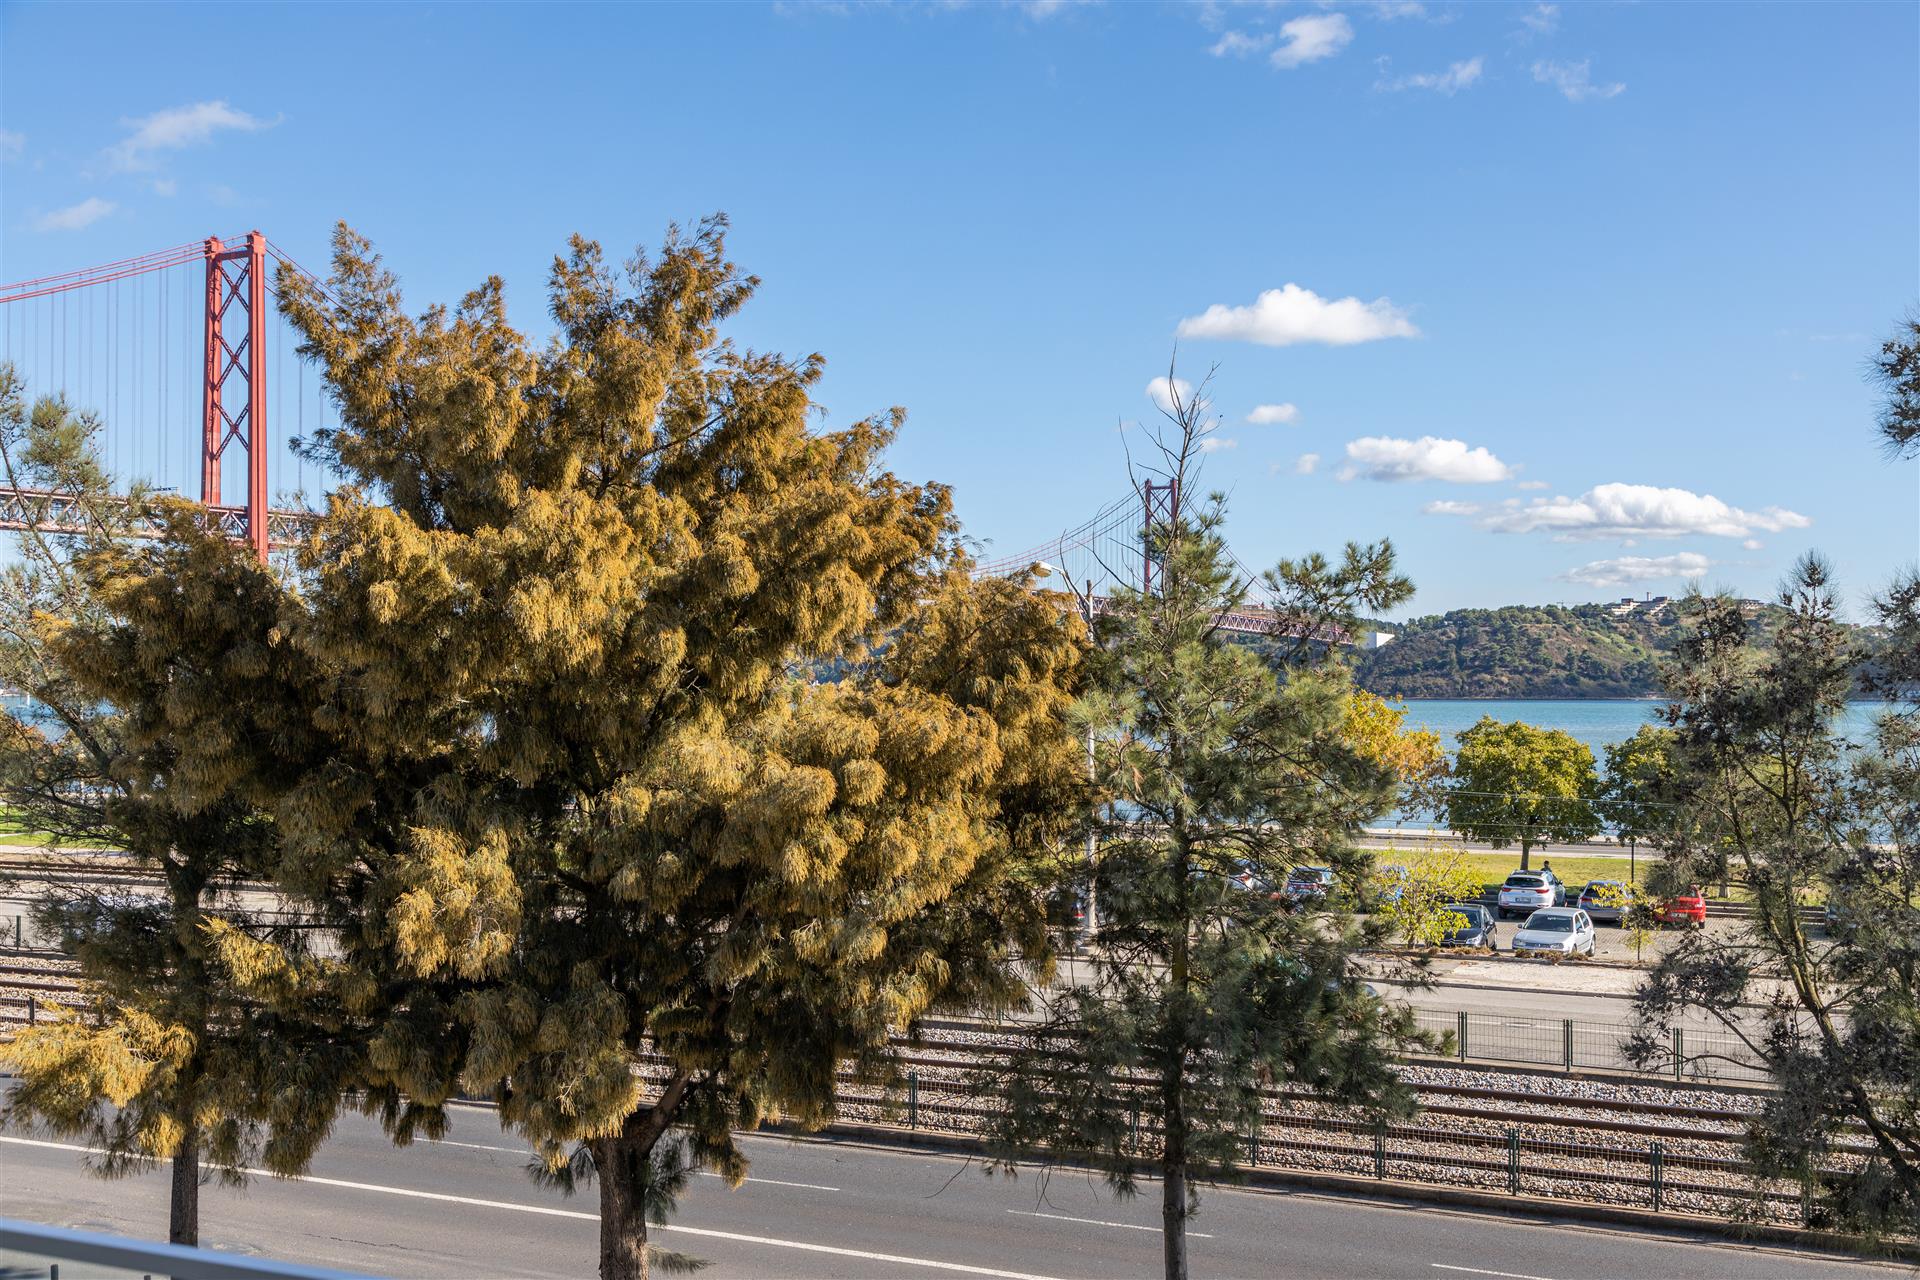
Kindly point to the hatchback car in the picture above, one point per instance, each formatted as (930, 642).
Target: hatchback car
(1688, 909)
(1525, 891)
(1479, 929)
(1607, 901)
(1566, 931)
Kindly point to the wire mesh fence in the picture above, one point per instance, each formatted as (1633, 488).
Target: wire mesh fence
(1704, 1054)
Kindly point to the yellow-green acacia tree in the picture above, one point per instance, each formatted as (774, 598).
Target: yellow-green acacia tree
(585, 792)
(132, 745)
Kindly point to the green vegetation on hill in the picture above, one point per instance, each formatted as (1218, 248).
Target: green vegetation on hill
(1524, 651)
(1554, 651)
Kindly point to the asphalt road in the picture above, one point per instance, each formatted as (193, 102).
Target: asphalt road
(464, 1207)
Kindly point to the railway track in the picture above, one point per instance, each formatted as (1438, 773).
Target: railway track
(44, 976)
(1635, 1142)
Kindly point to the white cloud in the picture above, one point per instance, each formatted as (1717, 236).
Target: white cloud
(1312, 38)
(1428, 458)
(1641, 511)
(1391, 9)
(1281, 317)
(1456, 77)
(1164, 393)
(1448, 507)
(1533, 484)
(1041, 10)
(12, 143)
(1753, 544)
(1264, 415)
(1216, 444)
(75, 217)
(1630, 569)
(1542, 19)
(1235, 44)
(166, 187)
(1574, 80)
(179, 127)
(1306, 464)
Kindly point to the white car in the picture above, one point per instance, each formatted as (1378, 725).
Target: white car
(1566, 930)
(1525, 892)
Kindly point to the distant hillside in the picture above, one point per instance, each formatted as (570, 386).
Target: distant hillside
(1526, 651)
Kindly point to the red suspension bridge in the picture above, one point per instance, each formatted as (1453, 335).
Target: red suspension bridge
(184, 361)
(200, 390)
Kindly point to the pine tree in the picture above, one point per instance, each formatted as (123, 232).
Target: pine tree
(670, 756)
(132, 746)
(1768, 795)
(1214, 770)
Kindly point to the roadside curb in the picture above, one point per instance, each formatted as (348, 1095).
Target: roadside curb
(1396, 1192)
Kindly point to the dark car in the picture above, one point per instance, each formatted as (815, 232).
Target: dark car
(1306, 883)
(1480, 930)
(1607, 900)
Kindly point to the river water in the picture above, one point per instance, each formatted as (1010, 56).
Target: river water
(1594, 721)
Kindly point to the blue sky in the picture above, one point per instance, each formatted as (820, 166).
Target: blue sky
(1570, 301)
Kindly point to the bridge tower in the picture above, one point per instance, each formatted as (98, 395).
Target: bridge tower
(1160, 506)
(236, 353)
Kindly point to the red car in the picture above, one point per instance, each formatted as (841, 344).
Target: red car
(1689, 909)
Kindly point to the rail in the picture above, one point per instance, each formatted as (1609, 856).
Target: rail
(33, 1249)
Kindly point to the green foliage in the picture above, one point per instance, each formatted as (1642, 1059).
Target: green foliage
(1209, 765)
(1770, 797)
(1896, 371)
(1411, 897)
(1633, 793)
(137, 750)
(1518, 784)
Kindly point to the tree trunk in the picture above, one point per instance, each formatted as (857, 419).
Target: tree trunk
(619, 1165)
(1173, 1216)
(623, 1166)
(1526, 847)
(183, 1209)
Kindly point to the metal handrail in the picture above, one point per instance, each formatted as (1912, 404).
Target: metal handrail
(182, 1262)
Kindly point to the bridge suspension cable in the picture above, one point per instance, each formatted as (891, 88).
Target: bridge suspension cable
(181, 361)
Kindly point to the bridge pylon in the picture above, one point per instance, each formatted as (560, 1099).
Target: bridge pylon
(236, 352)
(1160, 505)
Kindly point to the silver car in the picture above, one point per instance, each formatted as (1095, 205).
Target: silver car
(1567, 931)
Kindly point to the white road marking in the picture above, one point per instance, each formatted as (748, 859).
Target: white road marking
(1098, 1222)
(547, 1211)
(705, 1173)
(1482, 1271)
(773, 1182)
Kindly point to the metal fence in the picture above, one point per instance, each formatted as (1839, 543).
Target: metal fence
(1523, 1157)
(1703, 1054)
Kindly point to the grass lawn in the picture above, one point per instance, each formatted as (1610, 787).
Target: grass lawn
(14, 831)
(1496, 867)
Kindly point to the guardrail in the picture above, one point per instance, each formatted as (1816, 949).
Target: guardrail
(30, 1249)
